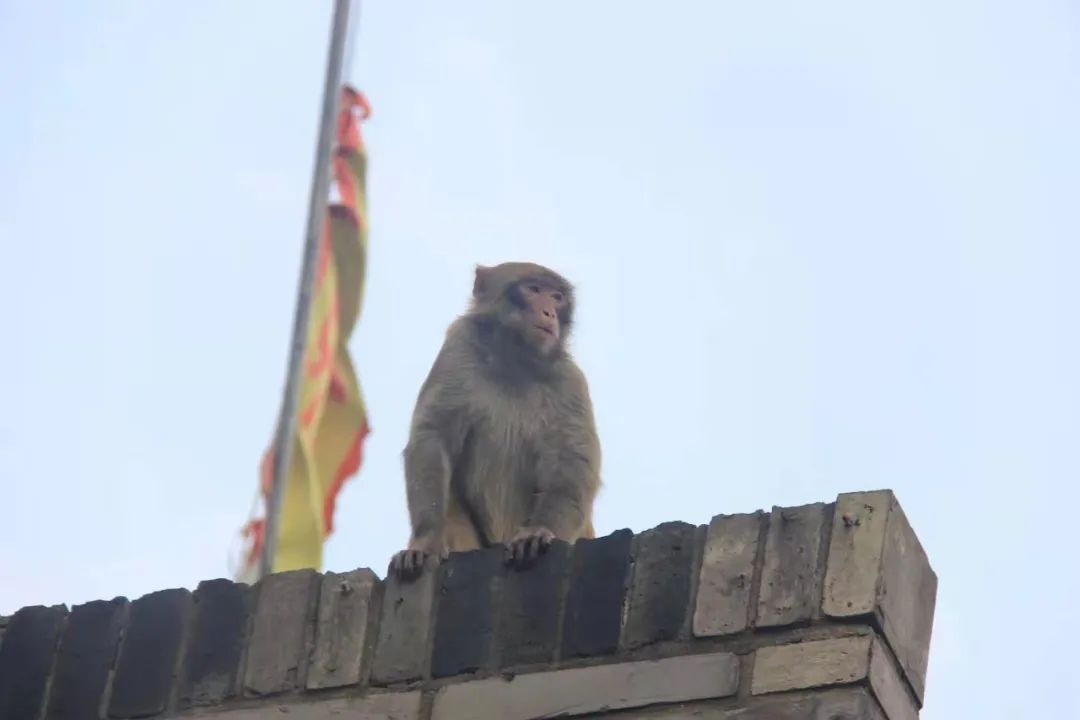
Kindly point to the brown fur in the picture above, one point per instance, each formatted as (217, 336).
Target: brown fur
(503, 446)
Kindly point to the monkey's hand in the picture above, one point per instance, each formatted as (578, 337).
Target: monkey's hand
(409, 563)
(528, 544)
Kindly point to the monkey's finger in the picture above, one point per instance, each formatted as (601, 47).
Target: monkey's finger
(544, 542)
(523, 553)
(521, 547)
(416, 560)
(532, 548)
(511, 552)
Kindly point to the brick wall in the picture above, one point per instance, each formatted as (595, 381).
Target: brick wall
(822, 611)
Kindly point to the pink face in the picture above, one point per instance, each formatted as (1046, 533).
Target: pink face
(543, 305)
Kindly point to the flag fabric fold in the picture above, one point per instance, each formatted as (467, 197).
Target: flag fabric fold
(332, 424)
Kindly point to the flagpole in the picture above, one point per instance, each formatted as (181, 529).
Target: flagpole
(320, 188)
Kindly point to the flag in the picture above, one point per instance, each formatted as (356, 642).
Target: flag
(332, 423)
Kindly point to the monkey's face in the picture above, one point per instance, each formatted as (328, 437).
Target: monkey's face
(529, 300)
(538, 312)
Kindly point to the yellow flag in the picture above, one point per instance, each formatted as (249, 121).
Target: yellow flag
(332, 423)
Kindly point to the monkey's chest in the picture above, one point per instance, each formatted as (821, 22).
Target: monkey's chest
(497, 475)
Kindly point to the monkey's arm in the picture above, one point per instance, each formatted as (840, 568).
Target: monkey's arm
(435, 439)
(568, 474)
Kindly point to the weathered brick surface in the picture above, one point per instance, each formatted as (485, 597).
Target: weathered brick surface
(464, 625)
(281, 630)
(877, 566)
(401, 651)
(590, 689)
(856, 545)
(660, 593)
(216, 643)
(891, 691)
(594, 603)
(908, 598)
(26, 658)
(790, 582)
(87, 651)
(374, 706)
(148, 654)
(530, 605)
(845, 704)
(727, 571)
(349, 605)
(817, 663)
(854, 703)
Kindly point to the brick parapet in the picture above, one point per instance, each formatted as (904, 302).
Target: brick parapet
(823, 610)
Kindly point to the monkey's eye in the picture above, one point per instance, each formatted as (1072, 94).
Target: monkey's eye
(535, 289)
(557, 297)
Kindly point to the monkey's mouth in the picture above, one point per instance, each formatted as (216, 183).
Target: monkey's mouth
(546, 329)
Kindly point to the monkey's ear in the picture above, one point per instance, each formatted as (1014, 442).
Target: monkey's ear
(481, 282)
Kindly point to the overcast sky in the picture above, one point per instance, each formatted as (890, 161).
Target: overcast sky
(821, 247)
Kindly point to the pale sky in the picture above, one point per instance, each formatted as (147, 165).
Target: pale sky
(820, 247)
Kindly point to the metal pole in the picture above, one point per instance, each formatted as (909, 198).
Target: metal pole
(320, 188)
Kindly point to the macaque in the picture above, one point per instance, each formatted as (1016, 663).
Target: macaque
(503, 447)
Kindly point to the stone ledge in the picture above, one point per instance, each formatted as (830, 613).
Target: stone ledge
(813, 602)
(584, 690)
(374, 706)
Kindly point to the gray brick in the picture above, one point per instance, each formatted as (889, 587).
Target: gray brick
(26, 658)
(531, 599)
(790, 582)
(281, 631)
(877, 567)
(845, 704)
(349, 606)
(146, 669)
(596, 597)
(856, 546)
(465, 619)
(727, 571)
(817, 663)
(86, 657)
(591, 689)
(401, 653)
(216, 643)
(908, 598)
(374, 706)
(660, 593)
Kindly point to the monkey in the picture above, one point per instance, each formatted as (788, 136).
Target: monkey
(503, 447)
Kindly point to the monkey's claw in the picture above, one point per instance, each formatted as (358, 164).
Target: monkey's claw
(528, 545)
(408, 564)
